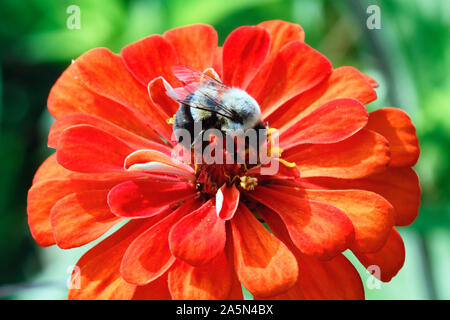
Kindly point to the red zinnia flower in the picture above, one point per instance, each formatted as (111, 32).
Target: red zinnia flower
(345, 177)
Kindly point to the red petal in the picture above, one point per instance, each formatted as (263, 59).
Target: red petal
(212, 281)
(99, 274)
(141, 157)
(362, 154)
(264, 265)
(396, 126)
(132, 139)
(335, 279)
(316, 228)
(372, 216)
(400, 186)
(227, 201)
(199, 237)
(49, 169)
(332, 279)
(149, 58)
(236, 287)
(371, 81)
(284, 172)
(146, 197)
(148, 256)
(104, 73)
(87, 149)
(158, 95)
(389, 259)
(80, 218)
(195, 45)
(244, 52)
(295, 69)
(344, 82)
(282, 33)
(155, 290)
(52, 183)
(332, 122)
(217, 64)
(68, 96)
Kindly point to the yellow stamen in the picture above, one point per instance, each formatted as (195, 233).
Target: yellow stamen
(248, 183)
(276, 150)
(288, 164)
(271, 130)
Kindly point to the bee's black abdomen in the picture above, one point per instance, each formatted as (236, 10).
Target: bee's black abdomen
(183, 120)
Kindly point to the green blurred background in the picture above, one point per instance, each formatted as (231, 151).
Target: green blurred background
(409, 57)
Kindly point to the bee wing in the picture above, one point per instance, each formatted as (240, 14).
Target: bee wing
(195, 79)
(178, 94)
(202, 84)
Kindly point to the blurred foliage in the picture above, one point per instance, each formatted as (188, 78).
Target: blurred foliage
(409, 57)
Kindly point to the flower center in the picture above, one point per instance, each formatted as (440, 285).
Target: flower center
(210, 177)
(246, 176)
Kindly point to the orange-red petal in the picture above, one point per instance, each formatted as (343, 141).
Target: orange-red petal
(98, 269)
(364, 153)
(316, 228)
(158, 96)
(148, 257)
(282, 33)
(87, 149)
(143, 156)
(227, 201)
(69, 95)
(149, 58)
(147, 197)
(244, 52)
(396, 126)
(333, 122)
(218, 61)
(50, 169)
(199, 237)
(135, 141)
(155, 290)
(317, 280)
(296, 69)
(400, 186)
(104, 73)
(389, 259)
(212, 281)
(335, 279)
(372, 216)
(371, 81)
(195, 45)
(52, 183)
(344, 82)
(80, 218)
(264, 265)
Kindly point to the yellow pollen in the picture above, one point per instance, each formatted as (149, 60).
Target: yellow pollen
(171, 120)
(248, 183)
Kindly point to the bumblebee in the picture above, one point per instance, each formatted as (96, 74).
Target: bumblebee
(204, 100)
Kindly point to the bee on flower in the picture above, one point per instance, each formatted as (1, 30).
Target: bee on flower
(197, 230)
